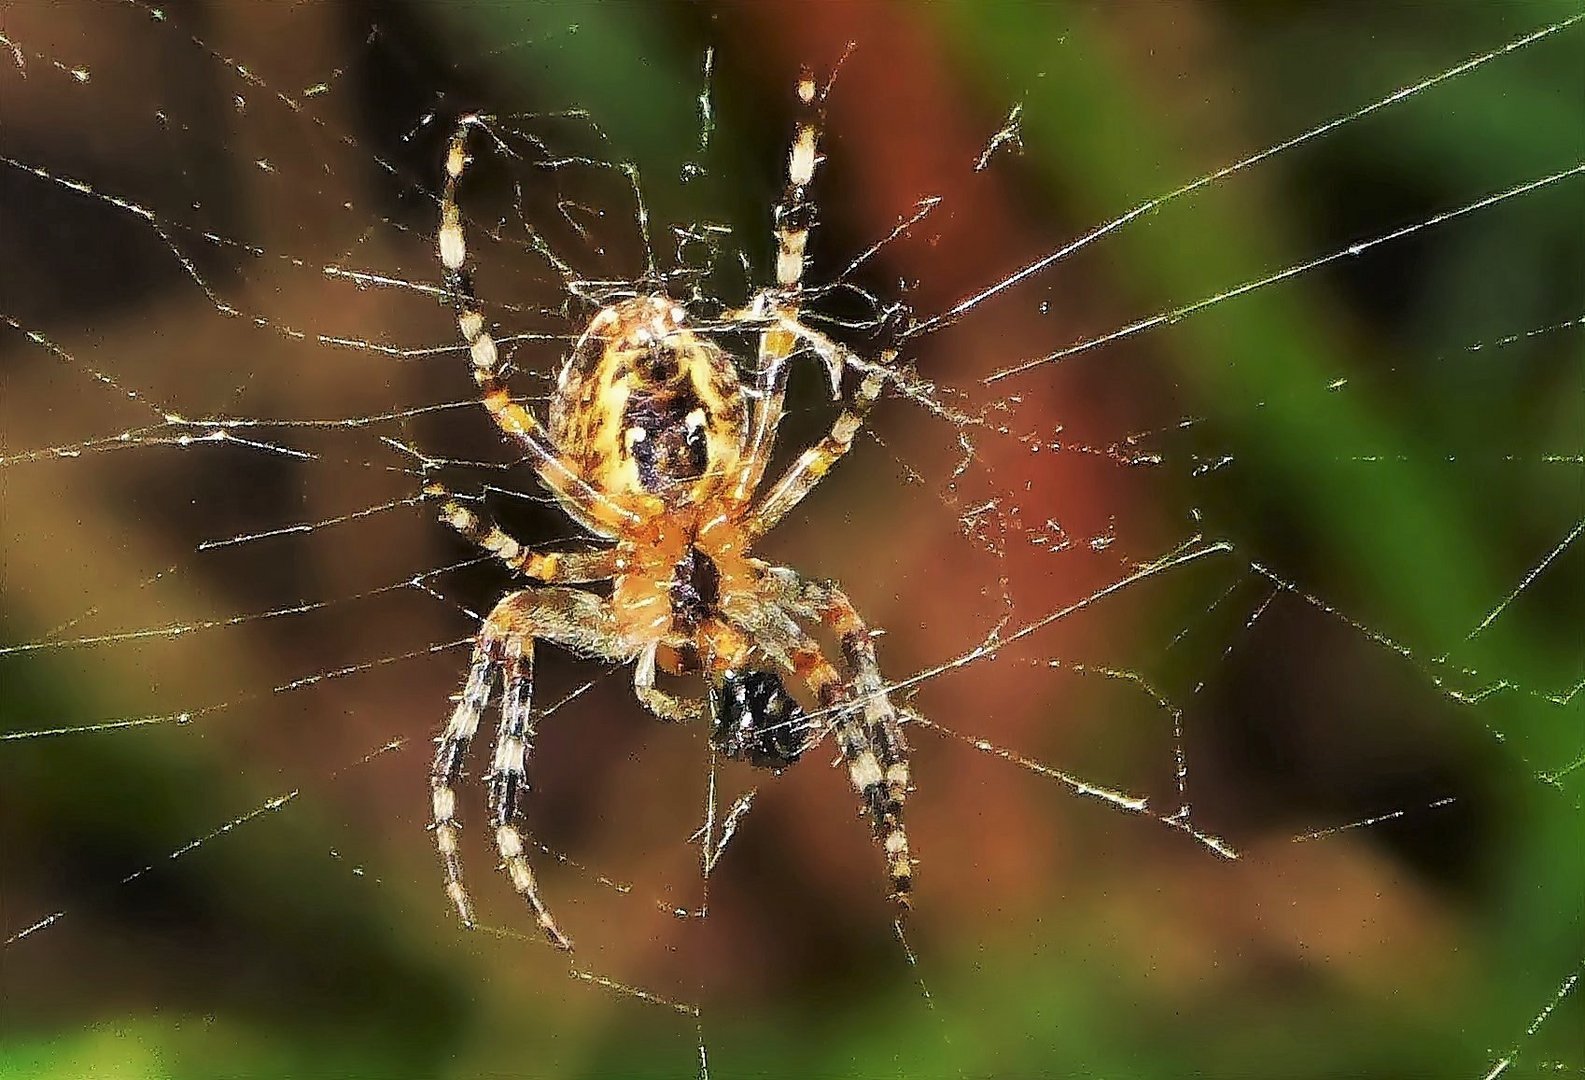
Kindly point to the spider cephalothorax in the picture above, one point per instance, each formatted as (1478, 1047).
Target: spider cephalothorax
(656, 446)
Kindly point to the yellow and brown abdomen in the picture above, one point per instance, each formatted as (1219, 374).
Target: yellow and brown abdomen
(652, 413)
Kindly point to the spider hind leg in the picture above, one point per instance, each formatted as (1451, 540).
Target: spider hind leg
(577, 620)
(508, 780)
(866, 724)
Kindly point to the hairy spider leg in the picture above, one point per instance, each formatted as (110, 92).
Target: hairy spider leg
(869, 752)
(884, 727)
(574, 619)
(804, 473)
(794, 219)
(666, 706)
(508, 779)
(588, 506)
(824, 601)
(549, 567)
(450, 753)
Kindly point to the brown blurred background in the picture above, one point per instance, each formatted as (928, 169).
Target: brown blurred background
(273, 614)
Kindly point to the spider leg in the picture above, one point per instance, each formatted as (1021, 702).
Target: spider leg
(577, 620)
(794, 218)
(665, 706)
(450, 752)
(581, 500)
(794, 215)
(882, 724)
(551, 567)
(876, 755)
(508, 779)
(803, 474)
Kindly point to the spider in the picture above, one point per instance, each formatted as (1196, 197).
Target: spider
(656, 446)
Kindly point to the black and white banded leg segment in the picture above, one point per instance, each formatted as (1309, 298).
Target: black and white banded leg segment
(578, 620)
(875, 748)
(550, 567)
(813, 464)
(450, 753)
(793, 221)
(508, 779)
(582, 501)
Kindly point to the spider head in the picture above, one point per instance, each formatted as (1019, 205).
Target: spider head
(754, 719)
(645, 407)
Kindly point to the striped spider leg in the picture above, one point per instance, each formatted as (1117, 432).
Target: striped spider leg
(578, 620)
(505, 646)
(867, 725)
(793, 221)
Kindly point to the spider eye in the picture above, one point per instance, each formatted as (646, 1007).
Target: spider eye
(754, 719)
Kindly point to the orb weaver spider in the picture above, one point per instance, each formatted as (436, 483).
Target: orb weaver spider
(655, 445)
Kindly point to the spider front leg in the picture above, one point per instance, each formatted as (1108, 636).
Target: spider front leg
(794, 220)
(450, 753)
(578, 620)
(508, 778)
(882, 725)
(802, 475)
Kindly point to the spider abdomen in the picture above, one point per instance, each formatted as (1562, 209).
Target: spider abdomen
(647, 408)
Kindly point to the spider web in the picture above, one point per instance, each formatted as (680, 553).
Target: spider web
(1223, 525)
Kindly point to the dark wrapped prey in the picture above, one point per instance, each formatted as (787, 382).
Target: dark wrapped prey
(754, 719)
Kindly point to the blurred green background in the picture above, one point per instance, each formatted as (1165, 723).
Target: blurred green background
(1349, 442)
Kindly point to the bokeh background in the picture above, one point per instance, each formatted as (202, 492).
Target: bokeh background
(1380, 485)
